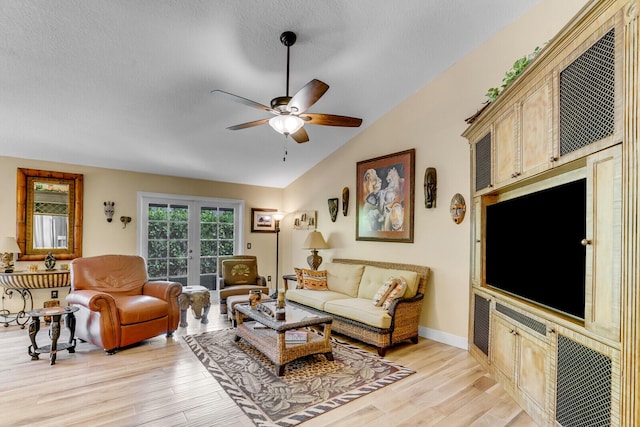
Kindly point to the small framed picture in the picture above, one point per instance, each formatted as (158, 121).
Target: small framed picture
(262, 220)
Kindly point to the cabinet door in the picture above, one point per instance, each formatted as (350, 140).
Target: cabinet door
(533, 362)
(503, 347)
(476, 254)
(537, 132)
(603, 243)
(506, 148)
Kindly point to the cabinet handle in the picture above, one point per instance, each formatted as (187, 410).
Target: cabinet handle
(553, 159)
(515, 174)
(551, 331)
(513, 332)
(585, 242)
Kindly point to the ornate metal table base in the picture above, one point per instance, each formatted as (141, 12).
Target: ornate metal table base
(21, 317)
(21, 282)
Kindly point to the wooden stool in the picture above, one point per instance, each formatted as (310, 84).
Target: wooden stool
(199, 298)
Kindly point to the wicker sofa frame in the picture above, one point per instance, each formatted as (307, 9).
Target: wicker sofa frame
(405, 312)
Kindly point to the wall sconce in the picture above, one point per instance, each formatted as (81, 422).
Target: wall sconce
(108, 210)
(125, 220)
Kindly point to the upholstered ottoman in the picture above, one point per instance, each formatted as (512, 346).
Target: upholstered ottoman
(240, 299)
(199, 299)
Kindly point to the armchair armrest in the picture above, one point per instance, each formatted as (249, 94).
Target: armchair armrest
(98, 307)
(169, 292)
(162, 289)
(93, 300)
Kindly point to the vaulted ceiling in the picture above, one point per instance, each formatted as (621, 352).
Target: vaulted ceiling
(126, 84)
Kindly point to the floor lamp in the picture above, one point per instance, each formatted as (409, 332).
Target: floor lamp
(277, 217)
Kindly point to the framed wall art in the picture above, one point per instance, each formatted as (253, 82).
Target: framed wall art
(305, 220)
(385, 197)
(262, 220)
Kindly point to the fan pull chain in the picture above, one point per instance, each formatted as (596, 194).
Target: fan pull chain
(284, 148)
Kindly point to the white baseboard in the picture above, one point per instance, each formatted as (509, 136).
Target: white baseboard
(443, 337)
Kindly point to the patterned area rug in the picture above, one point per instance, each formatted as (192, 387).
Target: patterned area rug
(311, 385)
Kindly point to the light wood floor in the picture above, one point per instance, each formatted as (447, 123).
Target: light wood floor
(160, 382)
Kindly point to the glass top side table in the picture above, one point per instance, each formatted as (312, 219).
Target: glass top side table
(56, 314)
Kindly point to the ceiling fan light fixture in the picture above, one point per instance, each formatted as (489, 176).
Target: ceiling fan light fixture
(286, 124)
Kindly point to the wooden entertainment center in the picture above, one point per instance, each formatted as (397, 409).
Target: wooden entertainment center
(573, 114)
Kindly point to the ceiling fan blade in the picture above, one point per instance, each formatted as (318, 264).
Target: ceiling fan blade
(307, 96)
(300, 136)
(331, 120)
(249, 124)
(244, 101)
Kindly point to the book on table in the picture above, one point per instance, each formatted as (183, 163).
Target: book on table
(295, 336)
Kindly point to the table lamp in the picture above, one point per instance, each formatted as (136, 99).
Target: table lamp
(314, 241)
(8, 247)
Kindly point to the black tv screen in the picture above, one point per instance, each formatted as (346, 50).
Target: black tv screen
(534, 250)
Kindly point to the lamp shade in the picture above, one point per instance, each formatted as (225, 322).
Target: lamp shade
(9, 245)
(286, 124)
(315, 240)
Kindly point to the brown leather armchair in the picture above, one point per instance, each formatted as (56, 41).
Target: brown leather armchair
(238, 274)
(118, 305)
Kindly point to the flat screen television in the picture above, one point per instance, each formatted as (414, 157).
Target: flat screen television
(533, 247)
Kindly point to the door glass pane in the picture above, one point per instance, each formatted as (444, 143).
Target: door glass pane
(168, 242)
(214, 240)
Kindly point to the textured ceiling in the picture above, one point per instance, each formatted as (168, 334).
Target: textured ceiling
(126, 84)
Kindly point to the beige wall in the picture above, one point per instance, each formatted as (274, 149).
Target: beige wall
(431, 121)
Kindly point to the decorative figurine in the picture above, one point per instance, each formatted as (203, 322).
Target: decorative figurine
(49, 262)
(430, 188)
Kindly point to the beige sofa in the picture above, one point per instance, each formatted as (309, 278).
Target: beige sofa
(351, 286)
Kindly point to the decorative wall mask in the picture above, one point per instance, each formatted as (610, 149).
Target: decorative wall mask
(125, 220)
(458, 208)
(333, 209)
(108, 210)
(430, 188)
(345, 201)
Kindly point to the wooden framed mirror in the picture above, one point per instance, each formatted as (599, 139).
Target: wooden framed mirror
(49, 214)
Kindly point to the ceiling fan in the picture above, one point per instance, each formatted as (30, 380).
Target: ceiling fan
(289, 112)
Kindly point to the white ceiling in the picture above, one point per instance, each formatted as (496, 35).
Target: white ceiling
(126, 84)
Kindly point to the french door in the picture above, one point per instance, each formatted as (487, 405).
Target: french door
(181, 237)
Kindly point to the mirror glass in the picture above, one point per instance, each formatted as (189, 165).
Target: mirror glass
(49, 214)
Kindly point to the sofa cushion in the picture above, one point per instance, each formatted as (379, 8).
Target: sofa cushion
(311, 298)
(344, 278)
(398, 291)
(374, 277)
(240, 271)
(359, 309)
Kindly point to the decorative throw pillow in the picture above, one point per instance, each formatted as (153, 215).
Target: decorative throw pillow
(315, 280)
(384, 290)
(299, 278)
(397, 292)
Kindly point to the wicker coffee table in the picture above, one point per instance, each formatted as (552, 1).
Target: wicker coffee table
(270, 340)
